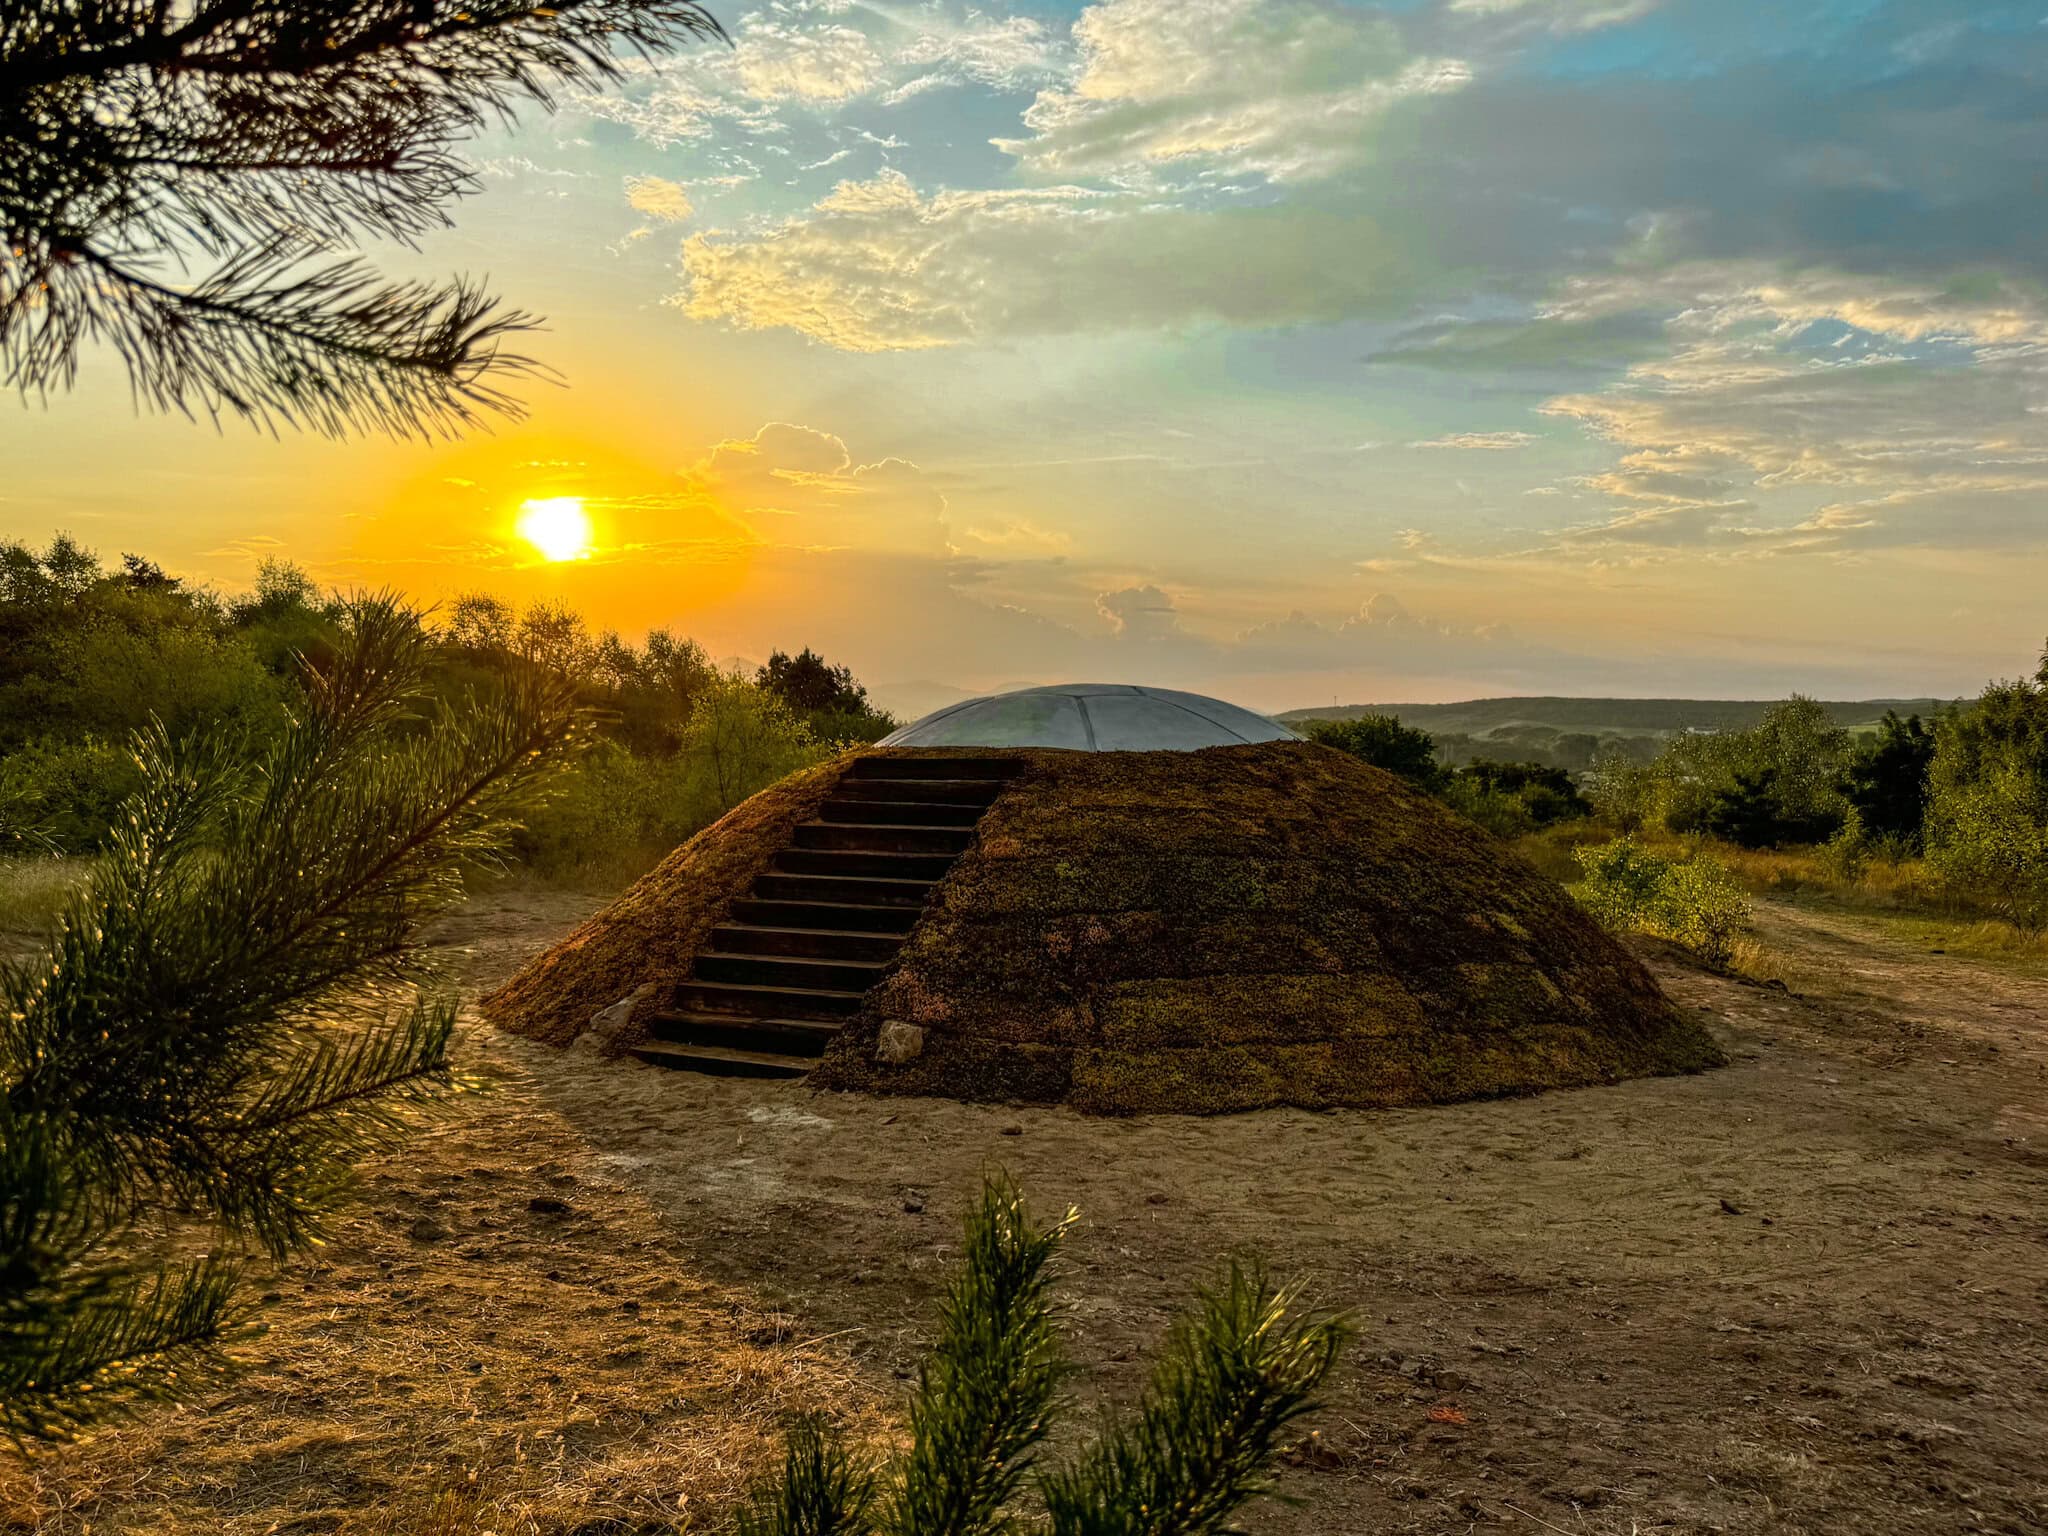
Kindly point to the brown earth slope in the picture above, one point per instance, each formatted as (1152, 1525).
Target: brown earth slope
(1246, 927)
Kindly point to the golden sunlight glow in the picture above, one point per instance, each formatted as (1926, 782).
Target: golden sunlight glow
(557, 526)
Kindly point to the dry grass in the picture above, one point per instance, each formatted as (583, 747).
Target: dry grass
(1903, 894)
(489, 1343)
(32, 892)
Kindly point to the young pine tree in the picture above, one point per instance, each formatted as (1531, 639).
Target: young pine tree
(1237, 1372)
(231, 1013)
(186, 182)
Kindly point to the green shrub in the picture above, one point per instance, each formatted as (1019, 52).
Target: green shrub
(1700, 906)
(1385, 742)
(1991, 845)
(1694, 902)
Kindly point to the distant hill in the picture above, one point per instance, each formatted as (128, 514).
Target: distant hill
(1607, 717)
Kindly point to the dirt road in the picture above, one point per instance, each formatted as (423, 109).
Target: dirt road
(1805, 1293)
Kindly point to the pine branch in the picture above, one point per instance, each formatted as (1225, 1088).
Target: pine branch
(256, 142)
(1235, 1376)
(209, 1031)
(819, 1490)
(90, 1347)
(985, 1397)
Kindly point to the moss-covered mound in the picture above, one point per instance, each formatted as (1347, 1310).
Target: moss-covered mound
(652, 932)
(1241, 927)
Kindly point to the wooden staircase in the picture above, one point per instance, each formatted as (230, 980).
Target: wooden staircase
(782, 975)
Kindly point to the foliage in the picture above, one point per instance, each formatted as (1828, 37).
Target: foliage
(1752, 813)
(1987, 819)
(1196, 1450)
(1886, 781)
(742, 738)
(230, 1012)
(1694, 902)
(263, 143)
(834, 706)
(89, 656)
(1622, 790)
(1385, 742)
(1513, 799)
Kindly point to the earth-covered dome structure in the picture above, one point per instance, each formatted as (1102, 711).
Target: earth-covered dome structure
(1188, 931)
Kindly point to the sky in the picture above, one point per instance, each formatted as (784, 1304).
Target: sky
(1295, 351)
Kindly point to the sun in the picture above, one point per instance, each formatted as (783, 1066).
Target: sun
(557, 526)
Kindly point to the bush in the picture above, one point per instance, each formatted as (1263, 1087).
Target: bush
(1992, 845)
(1695, 902)
(1385, 742)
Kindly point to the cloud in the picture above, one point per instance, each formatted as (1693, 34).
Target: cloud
(658, 198)
(1926, 405)
(1492, 442)
(807, 60)
(879, 266)
(1286, 89)
(797, 486)
(1557, 15)
(1140, 614)
(819, 56)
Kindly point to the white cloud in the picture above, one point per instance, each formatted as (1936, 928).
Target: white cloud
(1492, 442)
(805, 60)
(878, 266)
(1283, 88)
(659, 199)
(1927, 419)
(1557, 15)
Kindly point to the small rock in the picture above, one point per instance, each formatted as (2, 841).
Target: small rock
(548, 1205)
(1011, 1130)
(426, 1229)
(1730, 1207)
(1155, 1198)
(913, 1207)
(607, 1024)
(899, 1042)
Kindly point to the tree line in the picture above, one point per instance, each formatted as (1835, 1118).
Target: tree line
(89, 655)
(1967, 791)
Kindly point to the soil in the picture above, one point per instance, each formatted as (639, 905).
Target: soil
(1807, 1292)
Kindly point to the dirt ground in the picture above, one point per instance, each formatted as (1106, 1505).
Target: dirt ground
(1804, 1293)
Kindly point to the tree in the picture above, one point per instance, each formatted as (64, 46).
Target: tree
(1385, 742)
(744, 738)
(1987, 816)
(1236, 1374)
(1886, 781)
(260, 144)
(232, 1012)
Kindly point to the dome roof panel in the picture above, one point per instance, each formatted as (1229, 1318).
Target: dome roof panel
(1091, 717)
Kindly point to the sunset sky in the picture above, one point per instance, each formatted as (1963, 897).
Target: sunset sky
(1285, 349)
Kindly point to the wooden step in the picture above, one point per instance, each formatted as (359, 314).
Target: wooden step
(819, 943)
(981, 792)
(723, 1061)
(766, 1002)
(840, 888)
(872, 838)
(878, 766)
(781, 1037)
(826, 914)
(806, 972)
(903, 813)
(927, 867)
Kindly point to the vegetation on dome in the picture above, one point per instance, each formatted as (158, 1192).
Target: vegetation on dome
(1246, 927)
